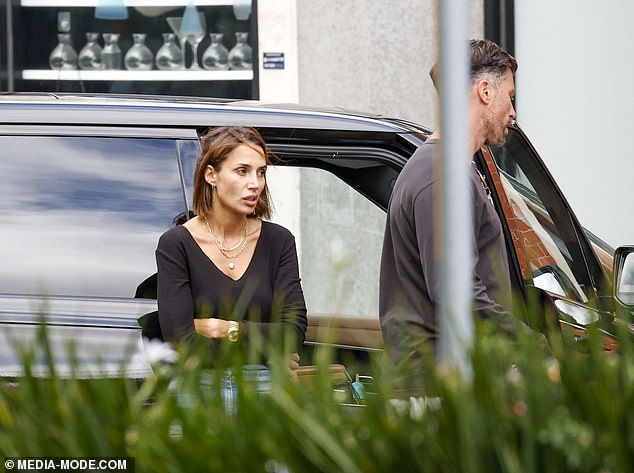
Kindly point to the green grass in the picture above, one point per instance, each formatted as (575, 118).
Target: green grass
(557, 411)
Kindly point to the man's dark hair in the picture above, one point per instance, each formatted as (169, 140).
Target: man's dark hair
(487, 59)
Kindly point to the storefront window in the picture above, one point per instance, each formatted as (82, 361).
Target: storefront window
(207, 48)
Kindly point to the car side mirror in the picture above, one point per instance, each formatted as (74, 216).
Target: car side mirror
(624, 276)
(578, 313)
(552, 279)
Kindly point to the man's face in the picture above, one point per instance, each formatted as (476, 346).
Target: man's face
(501, 113)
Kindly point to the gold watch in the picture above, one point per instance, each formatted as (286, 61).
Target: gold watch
(233, 331)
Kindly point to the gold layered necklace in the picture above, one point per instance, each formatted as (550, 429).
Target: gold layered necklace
(232, 252)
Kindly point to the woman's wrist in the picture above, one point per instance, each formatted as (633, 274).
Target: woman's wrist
(233, 331)
(213, 327)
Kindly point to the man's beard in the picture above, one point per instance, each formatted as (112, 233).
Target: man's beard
(494, 134)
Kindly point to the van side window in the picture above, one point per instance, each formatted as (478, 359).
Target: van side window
(339, 235)
(87, 210)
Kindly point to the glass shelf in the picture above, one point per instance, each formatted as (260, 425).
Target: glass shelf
(128, 3)
(109, 75)
(39, 21)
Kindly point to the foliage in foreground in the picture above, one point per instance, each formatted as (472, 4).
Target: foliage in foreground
(563, 413)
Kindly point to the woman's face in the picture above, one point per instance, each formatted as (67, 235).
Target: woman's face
(240, 180)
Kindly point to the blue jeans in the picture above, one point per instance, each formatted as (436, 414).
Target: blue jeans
(258, 375)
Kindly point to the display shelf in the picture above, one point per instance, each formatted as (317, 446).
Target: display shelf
(110, 75)
(128, 3)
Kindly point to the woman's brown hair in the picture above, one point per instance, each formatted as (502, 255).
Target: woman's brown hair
(217, 143)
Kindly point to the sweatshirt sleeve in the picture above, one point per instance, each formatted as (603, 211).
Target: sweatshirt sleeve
(485, 299)
(425, 221)
(491, 278)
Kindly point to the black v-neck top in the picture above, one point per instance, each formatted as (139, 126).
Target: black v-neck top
(267, 298)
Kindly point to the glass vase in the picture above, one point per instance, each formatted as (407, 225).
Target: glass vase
(63, 55)
(139, 57)
(169, 56)
(240, 54)
(90, 54)
(192, 28)
(111, 53)
(216, 56)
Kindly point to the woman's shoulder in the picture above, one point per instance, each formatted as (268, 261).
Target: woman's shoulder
(173, 236)
(275, 235)
(276, 230)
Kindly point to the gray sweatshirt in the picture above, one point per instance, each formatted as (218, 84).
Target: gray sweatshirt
(409, 294)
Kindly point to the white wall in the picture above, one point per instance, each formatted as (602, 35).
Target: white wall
(372, 55)
(575, 102)
(277, 33)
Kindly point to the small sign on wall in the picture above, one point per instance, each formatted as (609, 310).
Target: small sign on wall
(273, 60)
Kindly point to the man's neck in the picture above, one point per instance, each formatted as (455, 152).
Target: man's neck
(473, 146)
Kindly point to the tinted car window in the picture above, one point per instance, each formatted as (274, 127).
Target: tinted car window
(87, 212)
(339, 235)
(544, 233)
(188, 152)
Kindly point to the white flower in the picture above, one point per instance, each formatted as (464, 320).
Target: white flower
(154, 352)
(417, 405)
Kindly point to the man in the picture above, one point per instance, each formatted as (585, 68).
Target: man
(409, 293)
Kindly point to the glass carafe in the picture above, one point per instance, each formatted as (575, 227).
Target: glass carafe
(90, 54)
(139, 57)
(111, 54)
(169, 57)
(240, 54)
(64, 55)
(192, 28)
(216, 56)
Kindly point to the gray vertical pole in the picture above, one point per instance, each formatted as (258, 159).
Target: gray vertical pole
(456, 323)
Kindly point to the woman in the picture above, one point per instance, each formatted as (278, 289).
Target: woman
(226, 274)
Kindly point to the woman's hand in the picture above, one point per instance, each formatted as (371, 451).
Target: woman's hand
(213, 328)
(217, 328)
(293, 362)
(293, 365)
